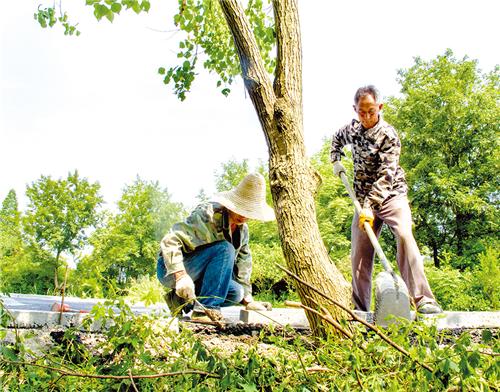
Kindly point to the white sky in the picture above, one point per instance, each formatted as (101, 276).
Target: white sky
(96, 103)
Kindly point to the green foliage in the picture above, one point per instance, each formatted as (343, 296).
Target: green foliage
(47, 17)
(27, 272)
(468, 290)
(448, 117)
(127, 245)
(230, 174)
(11, 242)
(143, 345)
(206, 32)
(265, 274)
(60, 212)
(145, 289)
(489, 275)
(333, 207)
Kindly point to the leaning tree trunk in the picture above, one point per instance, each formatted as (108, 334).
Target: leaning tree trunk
(292, 179)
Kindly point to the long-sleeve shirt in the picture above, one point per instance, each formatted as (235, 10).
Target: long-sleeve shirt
(375, 151)
(208, 223)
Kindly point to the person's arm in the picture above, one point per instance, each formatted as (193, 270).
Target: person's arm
(198, 229)
(340, 138)
(389, 153)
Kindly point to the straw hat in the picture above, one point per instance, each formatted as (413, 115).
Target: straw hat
(248, 199)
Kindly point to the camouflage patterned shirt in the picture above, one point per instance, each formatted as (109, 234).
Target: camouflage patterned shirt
(208, 223)
(377, 174)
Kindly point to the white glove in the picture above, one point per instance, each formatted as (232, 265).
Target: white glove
(184, 287)
(338, 168)
(258, 305)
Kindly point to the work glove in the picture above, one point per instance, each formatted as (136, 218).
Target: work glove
(366, 215)
(184, 287)
(338, 168)
(258, 305)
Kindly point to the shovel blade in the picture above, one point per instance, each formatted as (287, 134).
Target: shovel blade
(391, 299)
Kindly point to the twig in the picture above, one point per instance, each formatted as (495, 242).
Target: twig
(328, 318)
(132, 380)
(319, 369)
(63, 292)
(359, 319)
(100, 376)
(359, 379)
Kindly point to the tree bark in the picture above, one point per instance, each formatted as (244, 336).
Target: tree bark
(293, 182)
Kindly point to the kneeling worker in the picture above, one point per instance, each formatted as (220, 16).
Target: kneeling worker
(208, 256)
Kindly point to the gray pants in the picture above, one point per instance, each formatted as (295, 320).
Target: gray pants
(397, 215)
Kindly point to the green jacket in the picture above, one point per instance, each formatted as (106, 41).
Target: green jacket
(208, 223)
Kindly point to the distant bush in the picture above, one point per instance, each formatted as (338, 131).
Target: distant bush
(476, 289)
(146, 289)
(265, 273)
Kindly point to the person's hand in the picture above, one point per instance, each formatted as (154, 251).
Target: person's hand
(184, 287)
(366, 215)
(259, 305)
(338, 168)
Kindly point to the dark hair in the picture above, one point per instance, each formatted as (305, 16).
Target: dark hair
(366, 90)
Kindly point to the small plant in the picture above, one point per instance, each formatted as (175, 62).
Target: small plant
(146, 289)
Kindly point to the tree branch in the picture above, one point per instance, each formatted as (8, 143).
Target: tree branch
(100, 376)
(359, 319)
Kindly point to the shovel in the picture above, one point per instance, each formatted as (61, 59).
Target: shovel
(391, 293)
(212, 315)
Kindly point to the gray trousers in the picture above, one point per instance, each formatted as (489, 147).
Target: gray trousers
(397, 215)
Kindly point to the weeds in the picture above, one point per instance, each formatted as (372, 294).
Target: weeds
(143, 353)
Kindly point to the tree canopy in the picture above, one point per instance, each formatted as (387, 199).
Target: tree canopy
(448, 117)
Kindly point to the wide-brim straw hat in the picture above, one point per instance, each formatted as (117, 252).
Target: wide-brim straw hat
(248, 199)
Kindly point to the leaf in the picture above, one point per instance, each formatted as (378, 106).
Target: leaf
(116, 8)
(161, 71)
(110, 16)
(249, 387)
(145, 5)
(486, 336)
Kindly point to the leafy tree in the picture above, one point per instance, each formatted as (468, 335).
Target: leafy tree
(230, 174)
(59, 214)
(11, 244)
(334, 209)
(449, 120)
(126, 247)
(10, 226)
(229, 35)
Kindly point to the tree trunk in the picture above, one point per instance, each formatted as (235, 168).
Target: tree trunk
(435, 255)
(56, 269)
(293, 181)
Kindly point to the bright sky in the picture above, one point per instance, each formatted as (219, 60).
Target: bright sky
(96, 103)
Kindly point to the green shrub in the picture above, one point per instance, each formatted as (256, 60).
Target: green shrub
(459, 291)
(147, 289)
(265, 273)
(489, 275)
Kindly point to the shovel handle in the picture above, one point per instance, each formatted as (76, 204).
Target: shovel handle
(366, 225)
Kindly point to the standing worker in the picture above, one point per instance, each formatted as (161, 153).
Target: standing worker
(381, 189)
(208, 256)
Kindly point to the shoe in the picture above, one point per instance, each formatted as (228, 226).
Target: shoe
(429, 308)
(174, 302)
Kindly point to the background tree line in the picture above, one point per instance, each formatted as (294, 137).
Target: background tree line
(448, 119)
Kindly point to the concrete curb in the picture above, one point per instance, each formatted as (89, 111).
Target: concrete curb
(447, 320)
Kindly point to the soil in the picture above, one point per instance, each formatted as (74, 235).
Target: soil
(225, 339)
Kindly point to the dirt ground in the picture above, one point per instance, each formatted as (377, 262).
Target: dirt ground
(225, 340)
